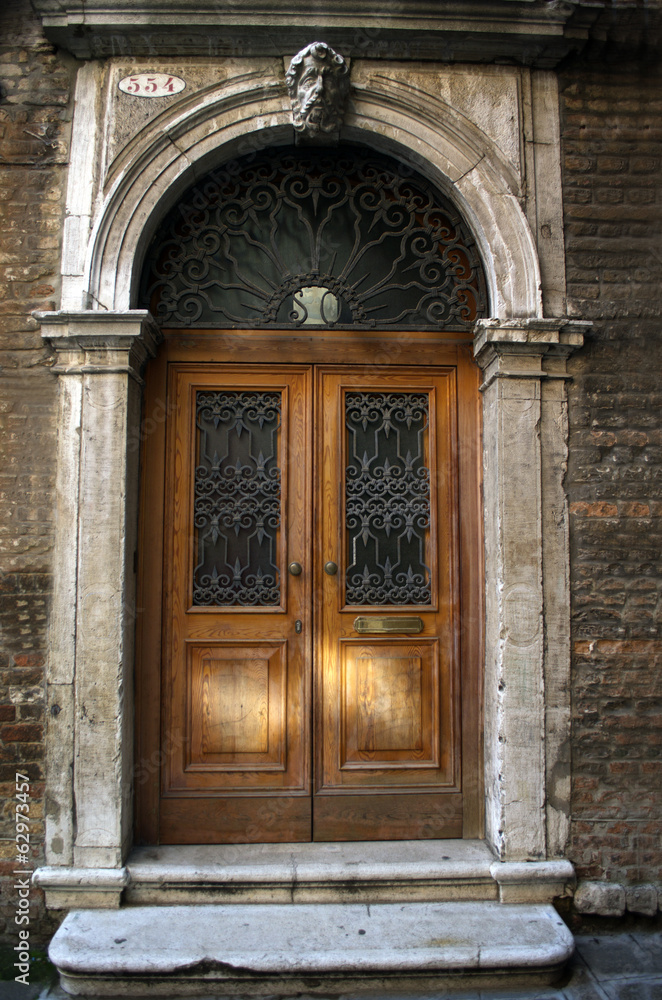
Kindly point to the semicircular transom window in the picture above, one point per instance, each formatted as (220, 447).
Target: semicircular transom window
(318, 238)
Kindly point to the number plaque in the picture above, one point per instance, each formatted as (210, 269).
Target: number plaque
(152, 85)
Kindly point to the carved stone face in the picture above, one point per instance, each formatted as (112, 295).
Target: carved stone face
(318, 82)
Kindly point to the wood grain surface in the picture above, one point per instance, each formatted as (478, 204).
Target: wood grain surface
(266, 733)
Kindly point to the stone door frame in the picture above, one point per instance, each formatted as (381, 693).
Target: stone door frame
(101, 345)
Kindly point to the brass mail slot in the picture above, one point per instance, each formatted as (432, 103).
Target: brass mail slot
(387, 623)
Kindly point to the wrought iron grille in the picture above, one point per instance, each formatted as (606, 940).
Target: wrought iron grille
(237, 499)
(387, 498)
(314, 238)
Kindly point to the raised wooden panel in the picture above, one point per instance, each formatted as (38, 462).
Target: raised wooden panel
(387, 703)
(244, 819)
(390, 695)
(364, 816)
(237, 697)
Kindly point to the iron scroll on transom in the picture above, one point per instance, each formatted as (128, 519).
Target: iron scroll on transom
(314, 238)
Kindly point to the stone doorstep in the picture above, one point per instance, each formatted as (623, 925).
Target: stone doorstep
(361, 872)
(374, 872)
(269, 948)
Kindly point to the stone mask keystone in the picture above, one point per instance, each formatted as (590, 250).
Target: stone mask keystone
(318, 85)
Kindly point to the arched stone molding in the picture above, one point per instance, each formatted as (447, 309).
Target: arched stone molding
(219, 124)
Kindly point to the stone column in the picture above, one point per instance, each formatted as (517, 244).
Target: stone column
(527, 654)
(99, 357)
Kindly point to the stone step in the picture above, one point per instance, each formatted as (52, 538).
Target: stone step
(308, 873)
(310, 947)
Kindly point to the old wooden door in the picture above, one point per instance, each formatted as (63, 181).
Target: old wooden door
(387, 714)
(310, 668)
(238, 626)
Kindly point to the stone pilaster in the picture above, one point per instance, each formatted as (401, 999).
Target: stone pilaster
(527, 656)
(99, 357)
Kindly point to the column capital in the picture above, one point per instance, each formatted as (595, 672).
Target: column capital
(526, 348)
(100, 342)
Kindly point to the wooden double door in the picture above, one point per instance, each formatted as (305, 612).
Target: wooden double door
(315, 614)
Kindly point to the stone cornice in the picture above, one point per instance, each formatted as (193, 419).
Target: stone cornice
(100, 342)
(534, 32)
(526, 348)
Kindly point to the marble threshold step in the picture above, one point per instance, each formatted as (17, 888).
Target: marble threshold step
(256, 949)
(308, 873)
(370, 872)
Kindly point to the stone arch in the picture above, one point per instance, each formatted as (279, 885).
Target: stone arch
(228, 121)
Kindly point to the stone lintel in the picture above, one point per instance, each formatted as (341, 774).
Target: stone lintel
(100, 342)
(481, 31)
(533, 881)
(85, 888)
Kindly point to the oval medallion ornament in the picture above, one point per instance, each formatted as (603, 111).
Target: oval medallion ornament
(152, 85)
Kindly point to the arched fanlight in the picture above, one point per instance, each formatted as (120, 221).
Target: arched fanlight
(314, 238)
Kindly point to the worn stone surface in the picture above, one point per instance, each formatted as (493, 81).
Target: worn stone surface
(607, 963)
(142, 949)
(93, 888)
(529, 882)
(604, 899)
(641, 899)
(287, 873)
(526, 570)
(99, 360)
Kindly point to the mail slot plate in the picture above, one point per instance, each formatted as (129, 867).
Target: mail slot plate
(379, 625)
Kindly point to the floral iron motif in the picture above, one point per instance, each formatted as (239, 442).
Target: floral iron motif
(308, 237)
(237, 499)
(387, 498)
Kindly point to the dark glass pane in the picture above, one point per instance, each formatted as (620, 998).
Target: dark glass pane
(387, 498)
(237, 499)
(385, 246)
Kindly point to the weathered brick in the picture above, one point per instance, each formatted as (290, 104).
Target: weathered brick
(35, 119)
(616, 551)
(21, 733)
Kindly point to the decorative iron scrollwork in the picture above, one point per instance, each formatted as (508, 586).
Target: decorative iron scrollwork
(237, 499)
(251, 247)
(387, 498)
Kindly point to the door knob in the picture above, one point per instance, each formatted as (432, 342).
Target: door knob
(331, 568)
(294, 569)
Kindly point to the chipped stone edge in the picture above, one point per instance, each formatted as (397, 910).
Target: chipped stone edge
(533, 881)
(82, 888)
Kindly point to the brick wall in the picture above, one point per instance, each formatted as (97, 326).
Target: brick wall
(35, 111)
(612, 176)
